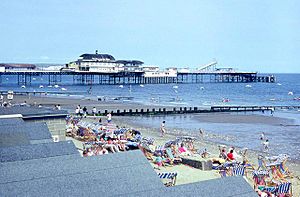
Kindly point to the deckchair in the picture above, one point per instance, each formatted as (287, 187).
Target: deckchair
(170, 143)
(170, 176)
(120, 131)
(259, 177)
(238, 170)
(276, 174)
(284, 188)
(225, 169)
(172, 158)
(147, 140)
(271, 189)
(284, 170)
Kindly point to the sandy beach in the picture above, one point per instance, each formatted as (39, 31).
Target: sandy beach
(187, 174)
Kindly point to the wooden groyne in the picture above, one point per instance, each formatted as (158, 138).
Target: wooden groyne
(189, 110)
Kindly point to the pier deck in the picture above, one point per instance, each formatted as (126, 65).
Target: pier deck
(89, 78)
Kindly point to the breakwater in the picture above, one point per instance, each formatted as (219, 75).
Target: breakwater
(186, 110)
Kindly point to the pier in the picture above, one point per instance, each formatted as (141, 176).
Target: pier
(189, 110)
(130, 77)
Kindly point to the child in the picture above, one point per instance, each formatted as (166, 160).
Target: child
(158, 161)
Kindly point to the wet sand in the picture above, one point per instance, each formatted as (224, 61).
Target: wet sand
(241, 118)
(70, 104)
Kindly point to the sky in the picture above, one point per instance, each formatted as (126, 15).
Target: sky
(248, 35)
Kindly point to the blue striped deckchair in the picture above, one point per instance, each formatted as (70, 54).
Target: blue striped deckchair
(238, 170)
(148, 140)
(272, 190)
(120, 131)
(284, 188)
(259, 177)
(260, 172)
(224, 168)
(170, 142)
(137, 138)
(171, 176)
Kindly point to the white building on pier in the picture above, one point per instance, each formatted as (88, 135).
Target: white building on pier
(103, 63)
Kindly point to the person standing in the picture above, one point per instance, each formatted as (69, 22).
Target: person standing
(266, 145)
(262, 136)
(1, 99)
(201, 132)
(84, 111)
(94, 111)
(80, 112)
(77, 111)
(108, 117)
(162, 128)
(272, 110)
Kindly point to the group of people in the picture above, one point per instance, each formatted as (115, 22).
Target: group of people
(170, 153)
(101, 138)
(83, 111)
(231, 155)
(57, 107)
(105, 145)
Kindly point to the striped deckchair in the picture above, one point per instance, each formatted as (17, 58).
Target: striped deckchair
(120, 131)
(224, 169)
(170, 142)
(260, 173)
(238, 170)
(137, 138)
(170, 176)
(259, 177)
(272, 190)
(148, 140)
(284, 188)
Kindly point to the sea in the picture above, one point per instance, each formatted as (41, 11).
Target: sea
(284, 92)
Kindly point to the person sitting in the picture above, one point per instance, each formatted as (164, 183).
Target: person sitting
(101, 151)
(204, 153)
(159, 161)
(230, 156)
(84, 153)
(183, 150)
(89, 152)
(223, 154)
(171, 158)
(121, 144)
(111, 146)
